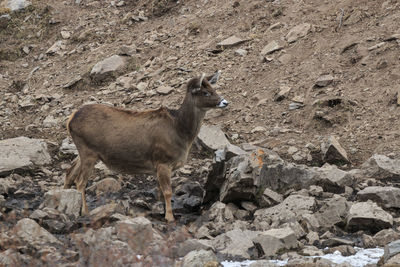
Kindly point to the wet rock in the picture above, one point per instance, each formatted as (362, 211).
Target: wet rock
(33, 234)
(236, 244)
(269, 198)
(103, 213)
(298, 32)
(107, 68)
(385, 196)
(192, 245)
(385, 237)
(273, 240)
(271, 48)
(333, 152)
(199, 258)
(17, 5)
(106, 185)
(290, 210)
(368, 216)
(22, 153)
(324, 80)
(137, 232)
(67, 201)
(382, 167)
(230, 42)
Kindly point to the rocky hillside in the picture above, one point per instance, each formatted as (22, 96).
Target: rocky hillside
(305, 157)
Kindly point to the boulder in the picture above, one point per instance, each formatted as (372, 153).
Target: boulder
(385, 237)
(273, 240)
(334, 180)
(193, 244)
(269, 198)
(28, 231)
(67, 201)
(368, 216)
(333, 152)
(108, 68)
(199, 258)
(333, 212)
(137, 232)
(382, 167)
(22, 153)
(385, 196)
(293, 208)
(391, 252)
(298, 32)
(236, 244)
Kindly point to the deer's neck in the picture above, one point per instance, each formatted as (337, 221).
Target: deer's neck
(189, 119)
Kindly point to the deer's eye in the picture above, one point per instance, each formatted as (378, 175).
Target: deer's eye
(206, 94)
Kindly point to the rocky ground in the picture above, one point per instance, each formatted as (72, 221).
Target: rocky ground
(305, 160)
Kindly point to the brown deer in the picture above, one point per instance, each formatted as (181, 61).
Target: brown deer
(140, 142)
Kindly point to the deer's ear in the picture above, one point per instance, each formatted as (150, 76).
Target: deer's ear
(213, 79)
(195, 90)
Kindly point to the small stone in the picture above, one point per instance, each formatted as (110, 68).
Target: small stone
(292, 150)
(50, 121)
(164, 90)
(65, 34)
(271, 48)
(324, 80)
(231, 41)
(142, 86)
(285, 59)
(241, 52)
(295, 105)
(107, 68)
(379, 45)
(106, 185)
(283, 93)
(298, 32)
(258, 129)
(333, 152)
(55, 48)
(16, 5)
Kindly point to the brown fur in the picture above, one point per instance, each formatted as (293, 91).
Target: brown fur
(150, 142)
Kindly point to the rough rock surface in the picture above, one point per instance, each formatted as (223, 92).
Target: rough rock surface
(68, 201)
(107, 67)
(368, 215)
(273, 240)
(199, 258)
(382, 167)
(385, 196)
(22, 153)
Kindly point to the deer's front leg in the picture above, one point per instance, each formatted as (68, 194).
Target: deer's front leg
(164, 180)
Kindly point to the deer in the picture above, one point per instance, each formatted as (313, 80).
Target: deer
(154, 142)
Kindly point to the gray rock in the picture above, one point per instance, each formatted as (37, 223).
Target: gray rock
(56, 48)
(11, 257)
(368, 216)
(382, 167)
(22, 153)
(137, 232)
(391, 250)
(241, 52)
(68, 147)
(199, 258)
(324, 80)
(50, 121)
(33, 234)
(385, 237)
(333, 212)
(107, 68)
(273, 240)
(283, 93)
(212, 137)
(333, 152)
(67, 201)
(236, 244)
(263, 263)
(271, 48)
(385, 196)
(16, 5)
(270, 198)
(231, 41)
(193, 244)
(4, 20)
(290, 210)
(332, 179)
(164, 90)
(298, 32)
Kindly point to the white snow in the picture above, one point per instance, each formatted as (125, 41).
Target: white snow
(360, 259)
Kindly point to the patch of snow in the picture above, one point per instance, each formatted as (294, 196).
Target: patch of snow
(360, 259)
